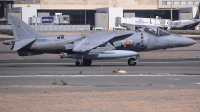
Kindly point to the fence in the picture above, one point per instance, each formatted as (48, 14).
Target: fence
(54, 27)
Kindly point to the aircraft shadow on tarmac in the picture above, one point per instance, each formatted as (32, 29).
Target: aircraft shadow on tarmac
(96, 66)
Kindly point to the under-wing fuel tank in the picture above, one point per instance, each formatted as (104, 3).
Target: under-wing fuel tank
(101, 55)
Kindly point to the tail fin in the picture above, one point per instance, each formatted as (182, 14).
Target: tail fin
(197, 14)
(21, 30)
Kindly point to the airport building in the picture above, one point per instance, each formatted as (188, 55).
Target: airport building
(95, 12)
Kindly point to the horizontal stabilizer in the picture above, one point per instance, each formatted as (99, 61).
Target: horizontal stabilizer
(20, 44)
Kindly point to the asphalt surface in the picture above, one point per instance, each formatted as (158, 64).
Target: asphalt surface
(100, 67)
(101, 82)
(148, 74)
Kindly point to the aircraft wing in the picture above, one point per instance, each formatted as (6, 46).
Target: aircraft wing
(96, 39)
(22, 43)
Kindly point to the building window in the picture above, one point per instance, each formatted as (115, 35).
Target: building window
(183, 3)
(164, 2)
(177, 3)
(190, 3)
(196, 3)
(168, 3)
(180, 2)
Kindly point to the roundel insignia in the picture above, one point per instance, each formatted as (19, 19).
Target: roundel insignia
(87, 43)
(127, 42)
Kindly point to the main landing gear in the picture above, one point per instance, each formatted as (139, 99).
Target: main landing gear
(87, 62)
(84, 63)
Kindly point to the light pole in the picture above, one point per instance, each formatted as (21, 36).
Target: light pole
(171, 10)
(85, 14)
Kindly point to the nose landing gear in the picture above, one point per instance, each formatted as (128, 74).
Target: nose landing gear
(133, 61)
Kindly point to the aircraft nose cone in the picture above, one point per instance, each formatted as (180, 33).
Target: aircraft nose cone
(188, 41)
(182, 41)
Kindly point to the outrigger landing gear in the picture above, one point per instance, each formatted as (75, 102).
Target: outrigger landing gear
(133, 61)
(84, 63)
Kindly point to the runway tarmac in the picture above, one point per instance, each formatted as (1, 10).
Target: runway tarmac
(148, 74)
(82, 83)
(100, 67)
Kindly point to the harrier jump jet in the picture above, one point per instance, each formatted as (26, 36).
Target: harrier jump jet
(93, 46)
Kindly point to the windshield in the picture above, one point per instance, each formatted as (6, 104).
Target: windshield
(156, 31)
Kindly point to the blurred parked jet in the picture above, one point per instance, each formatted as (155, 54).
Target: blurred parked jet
(186, 24)
(93, 46)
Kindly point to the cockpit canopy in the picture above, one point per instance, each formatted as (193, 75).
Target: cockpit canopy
(156, 31)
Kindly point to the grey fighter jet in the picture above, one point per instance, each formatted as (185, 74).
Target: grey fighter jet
(93, 46)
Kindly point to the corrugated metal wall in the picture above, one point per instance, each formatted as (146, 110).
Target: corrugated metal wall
(101, 20)
(28, 12)
(183, 16)
(113, 13)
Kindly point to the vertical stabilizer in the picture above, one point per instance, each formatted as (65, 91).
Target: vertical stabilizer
(197, 14)
(21, 30)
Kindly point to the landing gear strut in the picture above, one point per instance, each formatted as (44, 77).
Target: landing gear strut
(84, 63)
(77, 63)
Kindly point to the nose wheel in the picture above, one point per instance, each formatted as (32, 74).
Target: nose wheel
(132, 62)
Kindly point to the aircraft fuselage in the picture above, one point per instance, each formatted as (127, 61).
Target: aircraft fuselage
(139, 41)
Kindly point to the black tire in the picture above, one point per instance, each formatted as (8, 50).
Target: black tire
(87, 62)
(131, 62)
(77, 63)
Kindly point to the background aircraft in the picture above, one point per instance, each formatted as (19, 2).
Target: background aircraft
(93, 46)
(186, 24)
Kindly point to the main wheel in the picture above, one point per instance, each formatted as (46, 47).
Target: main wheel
(131, 62)
(77, 63)
(87, 62)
